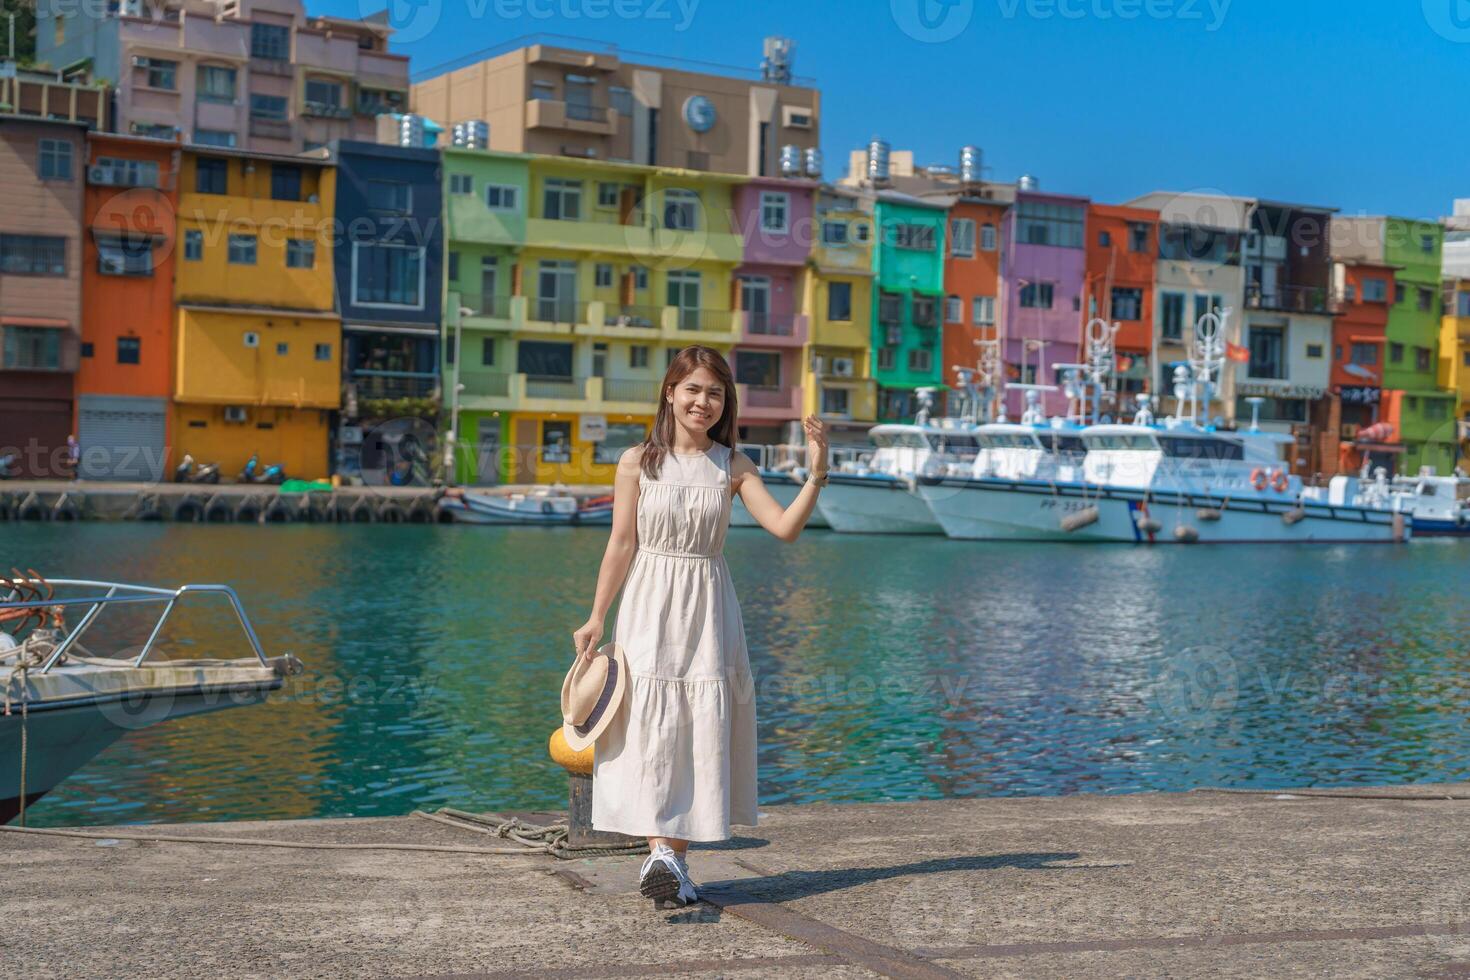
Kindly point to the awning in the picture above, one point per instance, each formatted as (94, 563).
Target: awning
(34, 321)
(427, 330)
(1368, 338)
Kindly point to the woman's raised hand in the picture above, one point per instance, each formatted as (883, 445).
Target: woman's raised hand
(816, 444)
(587, 638)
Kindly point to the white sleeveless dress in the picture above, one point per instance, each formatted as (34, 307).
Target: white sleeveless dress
(678, 760)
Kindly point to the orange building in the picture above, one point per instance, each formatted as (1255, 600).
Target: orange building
(971, 281)
(1364, 291)
(128, 254)
(1122, 248)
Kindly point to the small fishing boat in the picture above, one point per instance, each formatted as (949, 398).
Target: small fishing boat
(543, 505)
(63, 704)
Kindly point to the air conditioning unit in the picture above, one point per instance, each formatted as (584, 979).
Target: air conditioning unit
(842, 367)
(139, 60)
(236, 413)
(101, 175)
(252, 339)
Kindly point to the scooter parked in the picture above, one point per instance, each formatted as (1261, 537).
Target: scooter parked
(188, 472)
(9, 466)
(252, 473)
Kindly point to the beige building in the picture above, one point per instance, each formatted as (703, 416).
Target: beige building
(559, 101)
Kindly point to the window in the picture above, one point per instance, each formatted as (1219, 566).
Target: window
(1425, 298)
(36, 348)
(1036, 295)
(775, 212)
(839, 301)
(285, 182)
(55, 160)
(216, 83)
(835, 401)
(1187, 243)
(640, 277)
(461, 184)
(920, 360)
(242, 249)
(885, 358)
(543, 91)
(487, 352)
(268, 106)
(954, 309)
(834, 233)
(926, 311)
(1426, 244)
(1104, 239)
(454, 266)
(1363, 354)
(1395, 353)
(669, 354)
(1436, 409)
(987, 237)
(608, 194)
(890, 308)
(84, 349)
(282, 349)
(1422, 358)
(561, 200)
(1375, 290)
(556, 291)
(211, 176)
(387, 275)
(1138, 236)
(1462, 304)
(1044, 223)
(158, 131)
(32, 255)
(1267, 352)
(620, 437)
(214, 137)
(637, 356)
(250, 338)
(556, 442)
(162, 74)
(962, 238)
(129, 350)
(300, 253)
(620, 99)
(603, 275)
(861, 232)
(681, 209)
(982, 311)
(324, 93)
(1349, 293)
(1275, 409)
(761, 369)
(392, 196)
(270, 41)
(682, 291)
(915, 238)
(543, 359)
(123, 256)
(1207, 304)
(130, 173)
(193, 245)
(1398, 292)
(1314, 350)
(322, 352)
(501, 197)
(1127, 303)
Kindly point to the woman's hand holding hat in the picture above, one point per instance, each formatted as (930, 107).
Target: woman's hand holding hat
(586, 639)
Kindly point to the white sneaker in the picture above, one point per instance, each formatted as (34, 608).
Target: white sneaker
(687, 880)
(663, 880)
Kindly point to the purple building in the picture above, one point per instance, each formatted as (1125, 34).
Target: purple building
(1043, 271)
(775, 219)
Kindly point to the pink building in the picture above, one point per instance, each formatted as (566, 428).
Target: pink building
(775, 219)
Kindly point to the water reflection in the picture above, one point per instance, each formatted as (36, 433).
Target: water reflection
(886, 668)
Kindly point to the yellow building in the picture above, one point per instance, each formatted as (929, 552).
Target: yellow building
(838, 382)
(257, 366)
(572, 283)
(1454, 357)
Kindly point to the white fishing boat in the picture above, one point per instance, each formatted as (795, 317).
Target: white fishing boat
(63, 704)
(542, 505)
(1438, 506)
(782, 477)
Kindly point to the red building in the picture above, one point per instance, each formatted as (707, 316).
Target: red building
(1122, 247)
(971, 281)
(1365, 291)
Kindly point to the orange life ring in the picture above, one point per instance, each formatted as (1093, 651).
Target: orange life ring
(1279, 481)
(1258, 478)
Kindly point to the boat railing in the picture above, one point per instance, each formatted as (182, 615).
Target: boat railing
(122, 594)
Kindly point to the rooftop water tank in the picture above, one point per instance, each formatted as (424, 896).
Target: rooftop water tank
(1028, 183)
(970, 165)
(813, 163)
(878, 151)
(790, 161)
(472, 134)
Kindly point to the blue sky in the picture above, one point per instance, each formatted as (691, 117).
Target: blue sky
(1355, 104)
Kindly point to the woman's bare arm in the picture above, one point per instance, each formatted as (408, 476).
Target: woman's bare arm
(622, 544)
(785, 523)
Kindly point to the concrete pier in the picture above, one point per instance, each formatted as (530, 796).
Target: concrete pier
(1352, 883)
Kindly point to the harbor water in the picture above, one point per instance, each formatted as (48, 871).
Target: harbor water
(886, 668)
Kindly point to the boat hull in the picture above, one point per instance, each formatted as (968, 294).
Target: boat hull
(1429, 528)
(470, 510)
(1003, 510)
(874, 505)
(785, 493)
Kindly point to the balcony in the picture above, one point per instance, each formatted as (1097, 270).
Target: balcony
(271, 66)
(325, 110)
(528, 393)
(368, 384)
(759, 402)
(573, 117)
(661, 245)
(557, 310)
(558, 389)
(774, 329)
(629, 395)
(274, 129)
(1291, 299)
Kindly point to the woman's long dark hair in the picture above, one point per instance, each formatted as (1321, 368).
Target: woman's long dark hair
(660, 441)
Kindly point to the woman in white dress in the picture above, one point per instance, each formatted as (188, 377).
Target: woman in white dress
(678, 761)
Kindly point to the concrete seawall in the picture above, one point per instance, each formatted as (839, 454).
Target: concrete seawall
(1364, 882)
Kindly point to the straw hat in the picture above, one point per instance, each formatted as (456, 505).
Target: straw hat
(591, 694)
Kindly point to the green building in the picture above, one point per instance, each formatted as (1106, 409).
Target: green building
(908, 301)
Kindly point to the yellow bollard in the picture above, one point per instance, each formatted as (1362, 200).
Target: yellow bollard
(579, 795)
(570, 760)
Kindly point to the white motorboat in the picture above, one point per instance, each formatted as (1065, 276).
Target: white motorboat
(782, 477)
(543, 505)
(63, 705)
(1438, 506)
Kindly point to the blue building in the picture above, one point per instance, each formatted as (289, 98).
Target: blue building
(389, 267)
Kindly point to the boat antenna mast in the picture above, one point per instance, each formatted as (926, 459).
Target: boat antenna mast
(1086, 381)
(966, 395)
(1206, 363)
(990, 382)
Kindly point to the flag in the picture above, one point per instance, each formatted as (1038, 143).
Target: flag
(1237, 353)
(1124, 362)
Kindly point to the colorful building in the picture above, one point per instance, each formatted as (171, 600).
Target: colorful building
(257, 340)
(775, 220)
(1044, 261)
(909, 293)
(389, 269)
(838, 383)
(42, 171)
(1122, 250)
(1364, 292)
(257, 74)
(1422, 413)
(971, 279)
(577, 282)
(129, 256)
(1454, 358)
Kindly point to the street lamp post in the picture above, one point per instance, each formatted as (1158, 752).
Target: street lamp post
(455, 388)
